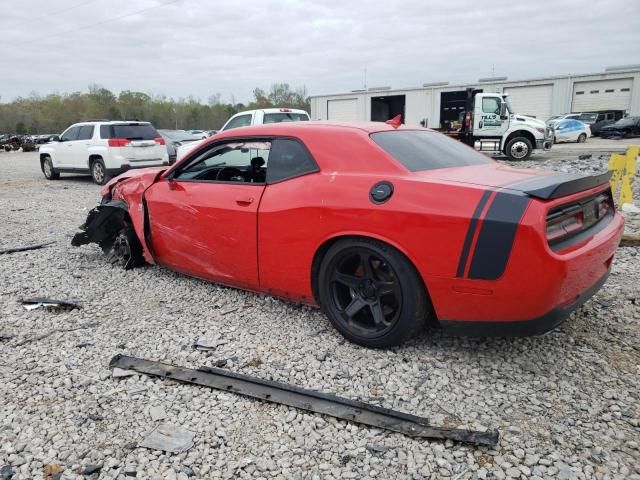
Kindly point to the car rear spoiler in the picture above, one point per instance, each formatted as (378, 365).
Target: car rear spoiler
(555, 186)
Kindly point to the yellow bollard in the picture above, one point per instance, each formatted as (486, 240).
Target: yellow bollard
(624, 171)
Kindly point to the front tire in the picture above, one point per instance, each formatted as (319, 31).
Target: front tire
(126, 250)
(582, 138)
(519, 148)
(99, 172)
(371, 293)
(48, 170)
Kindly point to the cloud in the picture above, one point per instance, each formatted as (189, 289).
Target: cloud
(198, 47)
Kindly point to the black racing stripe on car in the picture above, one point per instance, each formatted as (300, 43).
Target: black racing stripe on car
(471, 231)
(497, 235)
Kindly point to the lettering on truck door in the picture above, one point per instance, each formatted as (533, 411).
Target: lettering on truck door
(487, 122)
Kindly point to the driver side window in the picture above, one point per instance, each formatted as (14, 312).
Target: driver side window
(236, 162)
(491, 105)
(70, 134)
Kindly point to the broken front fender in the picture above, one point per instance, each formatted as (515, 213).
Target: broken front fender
(103, 224)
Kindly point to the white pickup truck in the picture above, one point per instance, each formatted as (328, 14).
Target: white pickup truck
(255, 117)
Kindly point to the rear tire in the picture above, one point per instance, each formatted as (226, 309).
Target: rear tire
(372, 293)
(582, 138)
(518, 149)
(48, 170)
(99, 172)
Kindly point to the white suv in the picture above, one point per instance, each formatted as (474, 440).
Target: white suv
(103, 149)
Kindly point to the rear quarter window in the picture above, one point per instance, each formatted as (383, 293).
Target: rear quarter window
(285, 117)
(133, 131)
(419, 150)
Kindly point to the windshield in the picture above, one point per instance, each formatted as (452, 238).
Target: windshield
(626, 122)
(285, 117)
(509, 107)
(588, 117)
(424, 150)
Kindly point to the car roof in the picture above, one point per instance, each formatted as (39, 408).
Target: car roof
(292, 128)
(273, 110)
(113, 122)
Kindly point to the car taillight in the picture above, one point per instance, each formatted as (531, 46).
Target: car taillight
(285, 109)
(159, 140)
(467, 120)
(564, 223)
(119, 142)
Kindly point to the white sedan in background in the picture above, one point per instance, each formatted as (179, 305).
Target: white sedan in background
(569, 130)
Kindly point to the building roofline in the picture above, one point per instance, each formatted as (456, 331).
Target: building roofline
(475, 84)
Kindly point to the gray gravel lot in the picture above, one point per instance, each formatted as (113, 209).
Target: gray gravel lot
(567, 404)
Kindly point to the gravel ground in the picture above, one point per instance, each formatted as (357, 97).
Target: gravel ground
(567, 403)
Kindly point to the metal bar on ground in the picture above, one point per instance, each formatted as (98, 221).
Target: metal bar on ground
(24, 249)
(318, 402)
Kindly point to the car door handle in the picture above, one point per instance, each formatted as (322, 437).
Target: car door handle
(244, 201)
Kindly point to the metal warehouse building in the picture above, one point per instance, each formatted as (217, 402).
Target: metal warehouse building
(616, 89)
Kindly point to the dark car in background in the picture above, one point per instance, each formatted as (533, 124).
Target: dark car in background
(173, 139)
(625, 127)
(598, 120)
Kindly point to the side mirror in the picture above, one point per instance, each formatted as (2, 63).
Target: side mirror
(54, 138)
(503, 109)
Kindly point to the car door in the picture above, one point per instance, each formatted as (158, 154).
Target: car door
(562, 132)
(81, 147)
(63, 156)
(203, 217)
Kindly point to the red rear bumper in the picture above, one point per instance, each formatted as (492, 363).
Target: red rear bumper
(538, 290)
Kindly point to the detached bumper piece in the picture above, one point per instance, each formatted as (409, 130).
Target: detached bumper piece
(327, 404)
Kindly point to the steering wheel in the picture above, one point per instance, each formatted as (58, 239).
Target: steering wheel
(232, 171)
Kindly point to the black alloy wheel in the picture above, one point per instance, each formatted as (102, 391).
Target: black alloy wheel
(371, 293)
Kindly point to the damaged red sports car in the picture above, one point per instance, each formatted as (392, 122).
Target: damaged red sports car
(384, 228)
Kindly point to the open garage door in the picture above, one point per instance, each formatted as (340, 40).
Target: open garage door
(532, 100)
(602, 95)
(344, 109)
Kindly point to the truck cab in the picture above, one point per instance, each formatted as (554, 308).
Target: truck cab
(491, 125)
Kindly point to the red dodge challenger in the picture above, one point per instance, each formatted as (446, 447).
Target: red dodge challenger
(384, 227)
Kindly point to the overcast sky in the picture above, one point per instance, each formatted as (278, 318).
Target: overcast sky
(203, 47)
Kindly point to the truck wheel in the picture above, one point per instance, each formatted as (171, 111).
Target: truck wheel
(371, 293)
(518, 148)
(582, 138)
(99, 172)
(48, 170)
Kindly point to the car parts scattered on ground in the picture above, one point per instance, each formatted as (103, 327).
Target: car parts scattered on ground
(318, 402)
(55, 330)
(24, 249)
(37, 302)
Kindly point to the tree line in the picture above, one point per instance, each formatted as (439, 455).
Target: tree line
(53, 113)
